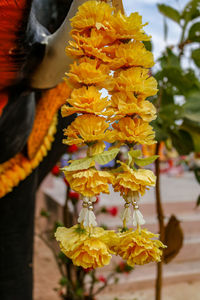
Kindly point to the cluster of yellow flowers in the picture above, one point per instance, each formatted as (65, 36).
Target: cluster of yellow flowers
(111, 55)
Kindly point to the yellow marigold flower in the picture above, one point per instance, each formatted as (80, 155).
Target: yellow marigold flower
(136, 80)
(85, 100)
(94, 14)
(89, 72)
(89, 182)
(139, 247)
(128, 27)
(133, 180)
(95, 38)
(90, 46)
(126, 104)
(132, 54)
(129, 130)
(86, 247)
(86, 129)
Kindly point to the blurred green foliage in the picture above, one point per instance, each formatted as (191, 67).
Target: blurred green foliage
(178, 99)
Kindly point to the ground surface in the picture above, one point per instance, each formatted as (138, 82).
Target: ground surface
(181, 277)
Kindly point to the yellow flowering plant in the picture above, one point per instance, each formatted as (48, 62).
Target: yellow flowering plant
(109, 53)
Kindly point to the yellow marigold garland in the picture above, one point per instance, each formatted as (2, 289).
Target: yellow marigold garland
(107, 60)
(19, 167)
(47, 107)
(39, 142)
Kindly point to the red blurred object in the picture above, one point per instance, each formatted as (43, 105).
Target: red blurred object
(60, 293)
(72, 149)
(97, 199)
(122, 266)
(102, 278)
(171, 163)
(88, 270)
(73, 195)
(56, 170)
(113, 211)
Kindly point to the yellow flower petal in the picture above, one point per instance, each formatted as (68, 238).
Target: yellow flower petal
(129, 130)
(128, 27)
(133, 180)
(88, 248)
(85, 100)
(92, 14)
(136, 80)
(86, 129)
(89, 182)
(132, 54)
(89, 72)
(126, 104)
(91, 46)
(138, 247)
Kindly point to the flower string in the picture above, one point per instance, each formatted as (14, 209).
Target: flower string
(109, 53)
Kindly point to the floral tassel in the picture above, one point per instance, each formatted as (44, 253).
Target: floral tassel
(138, 218)
(87, 217)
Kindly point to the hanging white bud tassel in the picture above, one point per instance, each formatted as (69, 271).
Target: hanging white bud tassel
(138, 218)
(126, 214)
(83, 212)
(86, 216)
(90, 219)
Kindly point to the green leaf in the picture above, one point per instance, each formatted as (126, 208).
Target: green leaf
(132, 154)
(191, 10)
(135, 153)
(45, 213)
(167, 96)
(79, 164)
(160, 128)
(195, 137)
(194, 32)
(79, 292)
(63, 281)
(191, 108)
(64, 258)
(196, 57)
(182, 142)
(106, 156)
(170, 113)
(169, 12)
(170, 59)
(184, 81)
(57, 224)
(146, 161)
(198, 201)
(148, 45)
(129, 159)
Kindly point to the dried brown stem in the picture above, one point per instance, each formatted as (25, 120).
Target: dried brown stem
(160, 216)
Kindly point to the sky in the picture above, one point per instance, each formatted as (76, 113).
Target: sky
(149, 12)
